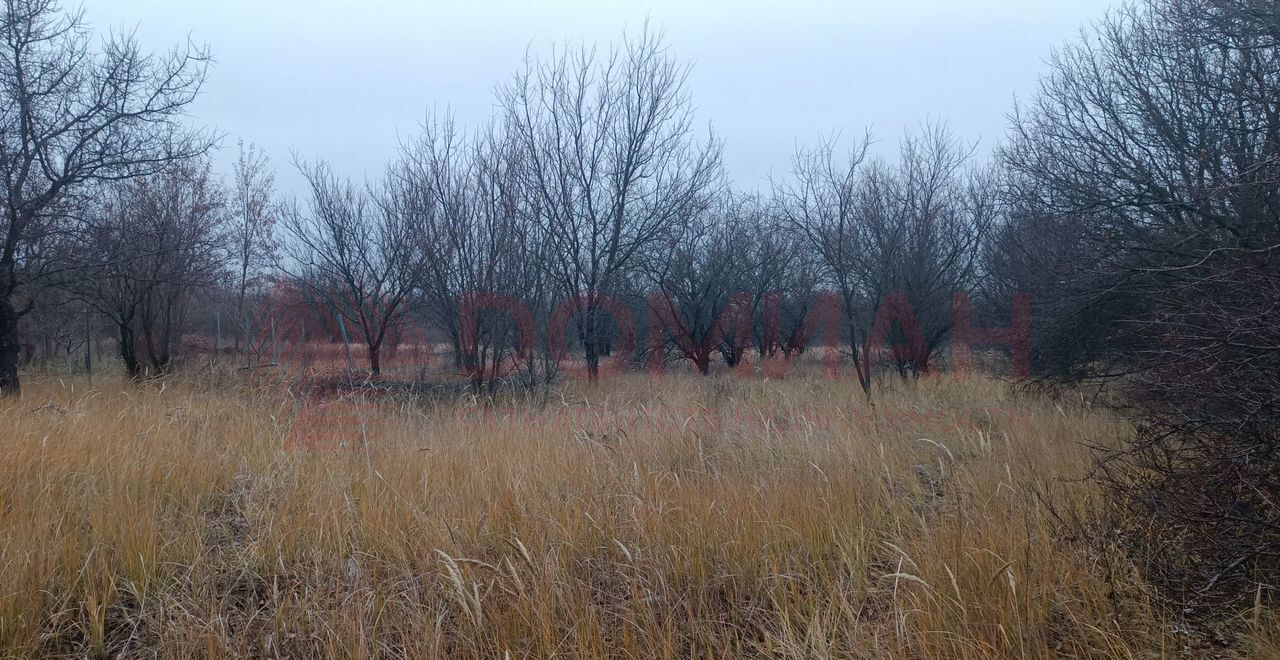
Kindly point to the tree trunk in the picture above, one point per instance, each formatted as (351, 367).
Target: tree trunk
(589, 335)
(129, 352)
(592, 355)
(9, 350)
(375, 360)
(733, 355)
(459, 360)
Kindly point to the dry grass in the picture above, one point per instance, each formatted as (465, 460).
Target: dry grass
(680, 517)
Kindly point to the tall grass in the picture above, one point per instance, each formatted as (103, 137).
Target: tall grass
(673, 518)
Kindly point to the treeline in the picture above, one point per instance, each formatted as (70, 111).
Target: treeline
(591, 197)
(590, 206)
(1135, 203)
(1142, 217)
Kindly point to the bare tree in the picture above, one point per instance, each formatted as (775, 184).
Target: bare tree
(925, 219)
(165, 236)
(253, 242)
(1152, 153)
(772, 267)
(71, 116)
(612, 165)
(897, 240)
(821, 202)
(483, 257)
(780, 327)
(712, 281)
(352, 252)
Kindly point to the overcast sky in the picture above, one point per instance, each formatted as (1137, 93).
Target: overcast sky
(344, 80)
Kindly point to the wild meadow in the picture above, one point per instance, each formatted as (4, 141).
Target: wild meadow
(643, 517)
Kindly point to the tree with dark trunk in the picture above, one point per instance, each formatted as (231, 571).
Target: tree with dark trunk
(925, 219)
(164, 236)
(707, 284)
(821, 202)
(71, 116)
(479, 239)
(612, 165)
(357, 254)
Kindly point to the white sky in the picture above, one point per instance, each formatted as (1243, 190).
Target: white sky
(343, 80)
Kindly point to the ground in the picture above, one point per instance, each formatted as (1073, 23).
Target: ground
(644, 517)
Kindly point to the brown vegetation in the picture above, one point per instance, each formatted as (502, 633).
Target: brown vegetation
(687, 517)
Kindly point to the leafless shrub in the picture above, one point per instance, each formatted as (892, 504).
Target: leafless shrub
(1145, 183)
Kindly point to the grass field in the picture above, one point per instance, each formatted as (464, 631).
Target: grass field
(643, 518)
